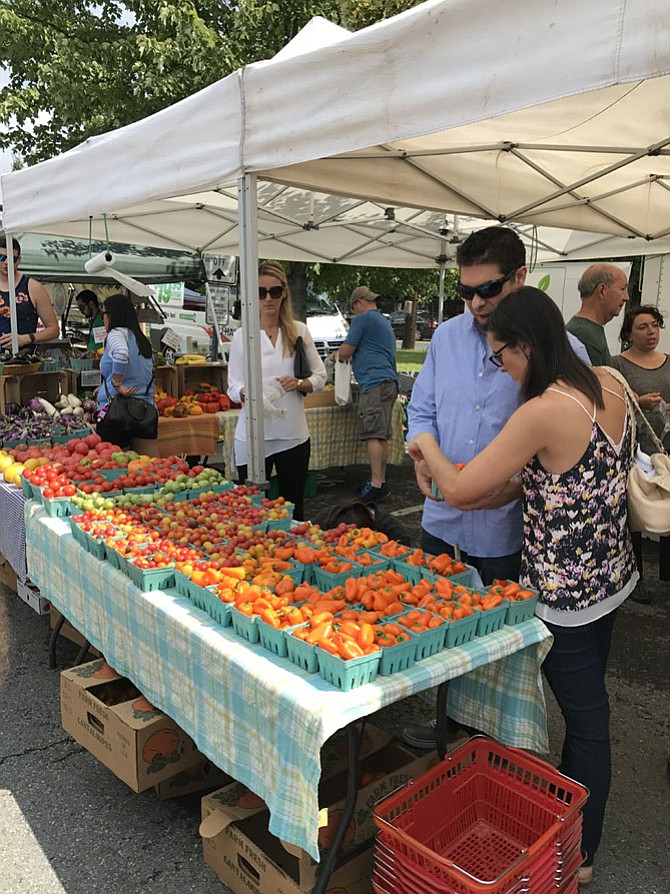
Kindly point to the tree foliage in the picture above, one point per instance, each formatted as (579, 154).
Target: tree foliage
(78, 68)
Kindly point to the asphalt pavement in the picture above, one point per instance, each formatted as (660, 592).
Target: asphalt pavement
(69, 826)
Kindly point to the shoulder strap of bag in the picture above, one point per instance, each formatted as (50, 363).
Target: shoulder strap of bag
(621, 379)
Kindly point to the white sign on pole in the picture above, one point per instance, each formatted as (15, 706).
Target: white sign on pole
(221, 300)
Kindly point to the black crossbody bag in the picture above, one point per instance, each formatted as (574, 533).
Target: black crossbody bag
(137, 417)
(301, 368)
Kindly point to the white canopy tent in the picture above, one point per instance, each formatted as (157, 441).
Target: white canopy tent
(546, 114)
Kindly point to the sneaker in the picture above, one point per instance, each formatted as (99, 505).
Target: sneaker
(371, 494)
(422, 736)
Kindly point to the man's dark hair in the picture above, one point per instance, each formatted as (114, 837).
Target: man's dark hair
(493, 245)
(122, 315)
(3, 243)
(88, 296)
(529, 316)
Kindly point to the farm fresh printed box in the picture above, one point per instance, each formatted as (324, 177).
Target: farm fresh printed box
(110, 717)
(237, 845)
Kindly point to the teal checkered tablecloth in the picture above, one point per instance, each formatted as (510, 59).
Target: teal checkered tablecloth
(258, 717)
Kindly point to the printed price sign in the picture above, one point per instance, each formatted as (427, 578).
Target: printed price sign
(99, 334)
(171, 339)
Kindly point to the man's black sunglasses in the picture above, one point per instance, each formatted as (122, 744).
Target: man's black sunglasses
(486, 290)
(274, 292)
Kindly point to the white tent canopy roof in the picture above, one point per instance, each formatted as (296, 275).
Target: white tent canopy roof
(547, 114)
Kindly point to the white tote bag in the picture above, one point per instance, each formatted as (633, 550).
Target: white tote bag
(342, 383)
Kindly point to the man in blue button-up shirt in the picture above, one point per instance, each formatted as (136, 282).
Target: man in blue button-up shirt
(461, 398)
(464, 401)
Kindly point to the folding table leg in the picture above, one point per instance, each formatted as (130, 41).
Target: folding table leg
(81, 654)
(52, 642)
(441, 716)
(327, 865)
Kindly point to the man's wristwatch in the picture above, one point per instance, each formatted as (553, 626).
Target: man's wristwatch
(32, 338)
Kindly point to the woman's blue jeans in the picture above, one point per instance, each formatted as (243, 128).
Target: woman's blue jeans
(575, 670)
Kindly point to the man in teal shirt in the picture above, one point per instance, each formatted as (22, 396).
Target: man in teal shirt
(87, 302)
(604, 291)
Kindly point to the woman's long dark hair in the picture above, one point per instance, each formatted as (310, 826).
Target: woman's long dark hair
(529, 316)
(122, 315)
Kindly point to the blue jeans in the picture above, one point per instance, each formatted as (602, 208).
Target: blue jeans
(575, 670)
(489, 567)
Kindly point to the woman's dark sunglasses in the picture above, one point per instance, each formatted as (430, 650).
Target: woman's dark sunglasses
(486, 290)
(274, 291)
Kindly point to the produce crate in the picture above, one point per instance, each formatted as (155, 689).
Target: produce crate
(380, 563)
(461, 631)
(272, 639)
(245, 626)
(492, 620)
(94, 545)
(428, 642)
(57, 507)
(79, 535)
(149, 578)
(19, 389)
(27, 488)
(79, 363)
(397, 658)
(114, 558)
(166, 379)
(326, 580)
(202, 373)
(487, 818)
(302, 654)
(111, 474)
(347, 675)
(207, 601)
(522, 609)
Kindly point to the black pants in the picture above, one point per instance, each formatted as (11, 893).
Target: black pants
(291, 467)
(489, 567)
(663, 555)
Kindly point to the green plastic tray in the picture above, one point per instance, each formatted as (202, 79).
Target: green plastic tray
(149, 579)
(492, 620)
(397, 658)
(301, 653)
(245, 626)
(347, 675)
(461, 631)
(326, 580)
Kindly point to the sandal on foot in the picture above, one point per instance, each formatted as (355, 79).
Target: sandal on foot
(584, 876)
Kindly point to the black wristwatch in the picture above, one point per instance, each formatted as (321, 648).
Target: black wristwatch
(32, 338)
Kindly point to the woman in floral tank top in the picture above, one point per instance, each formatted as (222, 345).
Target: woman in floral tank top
(571, 442)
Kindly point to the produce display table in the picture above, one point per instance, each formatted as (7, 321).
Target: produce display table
(333, 435)
(191, 435)
(12, 528)
(258, 717)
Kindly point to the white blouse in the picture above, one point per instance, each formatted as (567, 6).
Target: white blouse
(289, 430)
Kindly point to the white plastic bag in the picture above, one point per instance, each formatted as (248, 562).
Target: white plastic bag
(342, 383)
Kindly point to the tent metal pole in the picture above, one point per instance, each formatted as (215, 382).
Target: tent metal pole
(12, 294)
(440, 291)
(253, 375)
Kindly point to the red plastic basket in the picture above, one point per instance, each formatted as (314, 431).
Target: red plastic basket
(485, 819)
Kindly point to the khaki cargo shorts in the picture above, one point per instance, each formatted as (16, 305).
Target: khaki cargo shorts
(375, 409)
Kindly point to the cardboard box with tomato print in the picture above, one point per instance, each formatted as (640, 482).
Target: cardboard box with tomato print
(227, 828)
(110, 717)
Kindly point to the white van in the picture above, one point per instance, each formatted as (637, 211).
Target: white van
(184, 314)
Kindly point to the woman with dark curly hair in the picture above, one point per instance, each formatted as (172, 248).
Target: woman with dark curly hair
(647, 371)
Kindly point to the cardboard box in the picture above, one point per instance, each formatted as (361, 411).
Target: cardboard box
(201, 776)
(320, 399)
(166, 379)
(109, 716)
(31, 596)
(7, 574)
(227, 817)
(247, 858)
(20, 389)
(68, 631)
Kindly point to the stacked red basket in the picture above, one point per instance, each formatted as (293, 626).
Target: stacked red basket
(486, 820)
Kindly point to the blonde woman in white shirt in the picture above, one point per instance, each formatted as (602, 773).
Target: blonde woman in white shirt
(287, 445)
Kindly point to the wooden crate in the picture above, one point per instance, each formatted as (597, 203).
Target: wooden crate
(166, 379)
(20, 389)
(210, 373)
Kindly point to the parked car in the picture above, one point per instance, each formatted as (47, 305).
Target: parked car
(424, 325)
